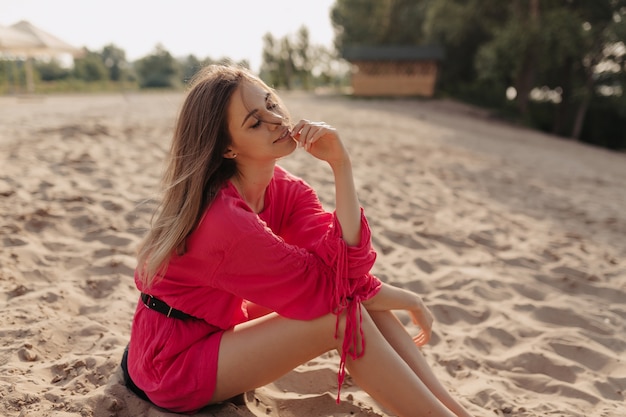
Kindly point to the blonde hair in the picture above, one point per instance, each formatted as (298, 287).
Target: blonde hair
(196, 167)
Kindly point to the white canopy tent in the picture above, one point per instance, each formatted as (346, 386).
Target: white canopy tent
(13, 40)
(44, 42)
(23, 39)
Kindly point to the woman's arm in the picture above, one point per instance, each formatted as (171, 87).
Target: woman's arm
(322, 141)
(395, 298)
(347, 204)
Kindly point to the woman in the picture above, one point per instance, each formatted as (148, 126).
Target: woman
(245, 276)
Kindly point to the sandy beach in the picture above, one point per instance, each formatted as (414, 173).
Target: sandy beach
(515, 239)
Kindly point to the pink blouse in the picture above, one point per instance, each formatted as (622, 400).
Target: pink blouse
(289, 258)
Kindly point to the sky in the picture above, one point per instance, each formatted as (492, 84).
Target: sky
(204, 28)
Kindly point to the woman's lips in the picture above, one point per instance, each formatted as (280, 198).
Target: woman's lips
(286, 134)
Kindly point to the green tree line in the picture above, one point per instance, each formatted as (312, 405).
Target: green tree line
(107, 68)
(288, 62)
(557, 65)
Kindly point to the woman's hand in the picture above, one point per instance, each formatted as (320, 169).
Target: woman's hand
(320, 140)
(395, 298)
(422, 317)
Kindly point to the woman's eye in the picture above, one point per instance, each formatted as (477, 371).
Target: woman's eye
(257, 124)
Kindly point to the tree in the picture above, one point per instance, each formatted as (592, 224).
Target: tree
(270, 63)
(561, 37)
(159, 70)
(114, 60)
(604, 25)
(302, 57)
(360, 22)
(89, 67)
(277, 66)
(405, 22)
(461, 28)
(286, 66)
(512, 54)
(191, 65)
(379, 22)
(51, 70)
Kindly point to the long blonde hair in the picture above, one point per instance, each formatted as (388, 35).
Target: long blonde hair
(196, 167)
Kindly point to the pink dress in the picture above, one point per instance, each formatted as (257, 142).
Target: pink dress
(289, 258)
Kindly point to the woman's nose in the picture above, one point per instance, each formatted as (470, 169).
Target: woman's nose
(275, 121)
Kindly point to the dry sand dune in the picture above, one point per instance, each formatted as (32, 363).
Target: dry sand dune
(516, 240)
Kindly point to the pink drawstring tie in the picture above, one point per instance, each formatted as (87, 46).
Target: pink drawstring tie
(354, 318)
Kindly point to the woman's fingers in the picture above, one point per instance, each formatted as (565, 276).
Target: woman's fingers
(298, 127)
(421, 338)
(316, 134)
(319, 140)
(307, 133)
(423, 319)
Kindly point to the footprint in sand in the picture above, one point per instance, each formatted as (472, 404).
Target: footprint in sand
(450, 314)
(536, 363)
(101, 287)
(569, 318)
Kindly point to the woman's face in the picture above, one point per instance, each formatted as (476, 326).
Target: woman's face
(258, 126)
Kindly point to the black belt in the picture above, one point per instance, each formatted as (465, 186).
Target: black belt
(163, 308)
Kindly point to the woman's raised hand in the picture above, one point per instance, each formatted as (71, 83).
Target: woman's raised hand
(320, 140)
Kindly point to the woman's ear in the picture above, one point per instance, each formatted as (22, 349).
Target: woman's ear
(229, 154)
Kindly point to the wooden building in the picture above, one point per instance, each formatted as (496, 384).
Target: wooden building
(394, 70)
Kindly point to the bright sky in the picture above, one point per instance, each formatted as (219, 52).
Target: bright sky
(205, 28)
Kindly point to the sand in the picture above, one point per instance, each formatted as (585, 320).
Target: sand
(515, 239)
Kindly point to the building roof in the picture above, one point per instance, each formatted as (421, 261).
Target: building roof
(392, 53)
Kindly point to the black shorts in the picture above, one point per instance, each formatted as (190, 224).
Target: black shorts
(128, 381)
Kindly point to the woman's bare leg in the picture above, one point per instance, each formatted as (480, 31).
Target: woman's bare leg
(395, 333)
(261, 350)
